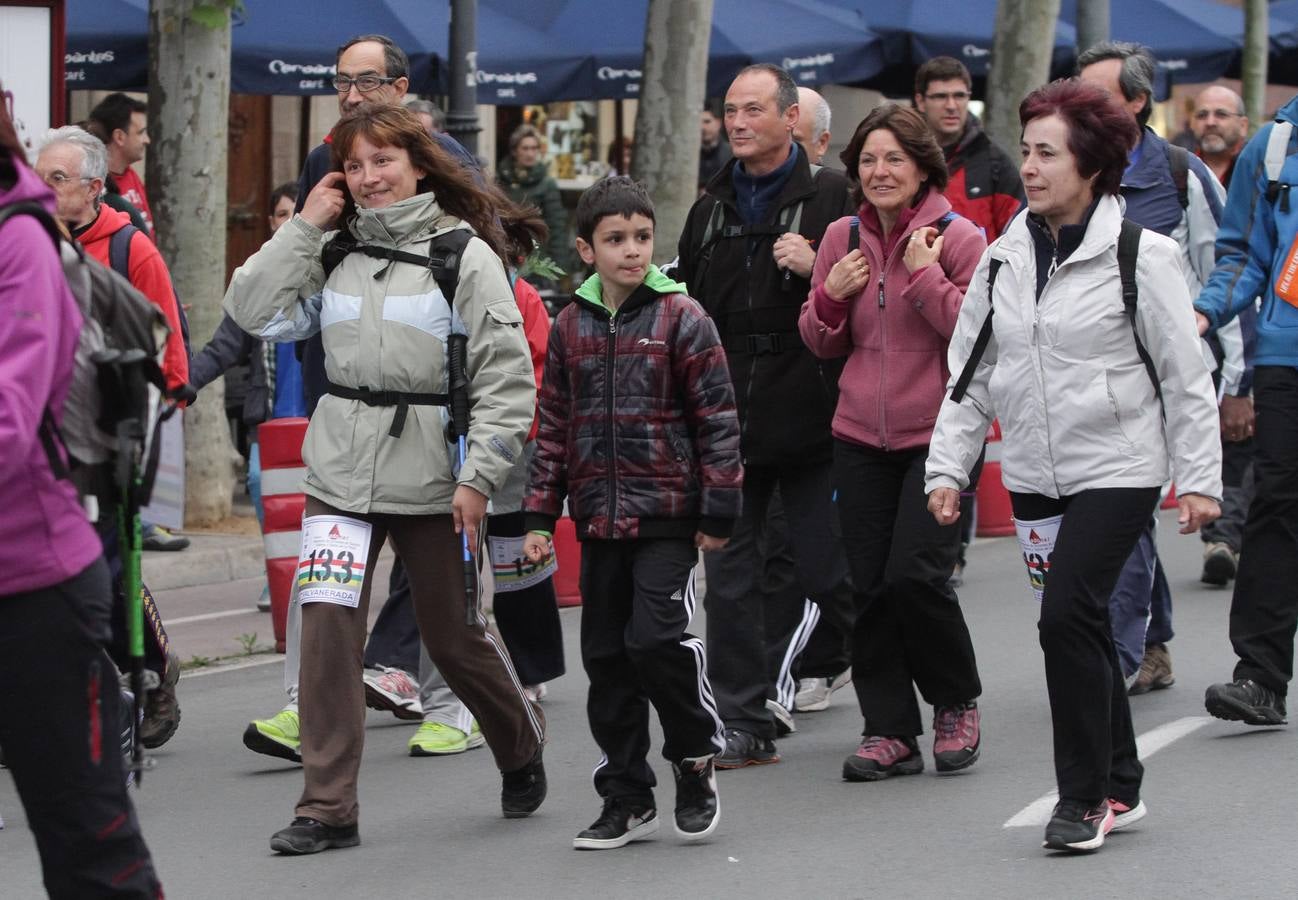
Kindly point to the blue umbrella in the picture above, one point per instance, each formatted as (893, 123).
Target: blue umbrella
(276, 49)
(918, 30)
(817, 41)
(1193, 40)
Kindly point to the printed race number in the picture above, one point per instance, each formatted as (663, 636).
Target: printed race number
(331, 568)
(512, 571)
(1037, 541)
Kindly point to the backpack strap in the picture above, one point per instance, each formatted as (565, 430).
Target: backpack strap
(444, 255)
(854, 234)
(1178, 163)
(947, 218)
(1128, 254)
(1277, 150)
(119, 251)
(980, 342)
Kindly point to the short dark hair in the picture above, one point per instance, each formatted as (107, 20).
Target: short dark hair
(114, 112)
(915, 137)
(287, 189)
(1101, 133)
(941, 68)
(715, 106)
(1136, 77)
(786, 89)
(395, 62)
(616, 195)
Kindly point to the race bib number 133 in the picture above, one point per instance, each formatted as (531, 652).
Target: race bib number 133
(331, 568)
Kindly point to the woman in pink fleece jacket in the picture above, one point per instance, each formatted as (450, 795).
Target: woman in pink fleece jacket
(889, 303)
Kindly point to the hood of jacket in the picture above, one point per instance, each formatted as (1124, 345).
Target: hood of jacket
(106, 224)
(26, 186)
(973, 138)
(412, 219)
(592, 288)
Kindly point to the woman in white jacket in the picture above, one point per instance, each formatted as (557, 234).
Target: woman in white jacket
(1096, 404)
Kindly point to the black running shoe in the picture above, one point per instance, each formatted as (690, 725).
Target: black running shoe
(621, 822)
(311, 836)
(743, 748)
(523, 790)
(1077, 827)
(697, 808)
(1244, 700)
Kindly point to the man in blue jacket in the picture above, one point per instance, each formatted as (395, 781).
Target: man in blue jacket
(1171, 191)
(1257, 256)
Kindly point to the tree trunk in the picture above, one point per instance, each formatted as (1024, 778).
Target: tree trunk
(1025, 37)
(1253, 66)
(1092, 23)
(667, 122)
(189, 100)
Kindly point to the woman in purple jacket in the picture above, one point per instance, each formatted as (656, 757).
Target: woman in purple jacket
(886, 290)
(58, 688)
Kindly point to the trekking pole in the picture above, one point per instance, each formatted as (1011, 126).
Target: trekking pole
(129, 433)
(457, 354)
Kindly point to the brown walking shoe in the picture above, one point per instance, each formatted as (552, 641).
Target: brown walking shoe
(1155, 671)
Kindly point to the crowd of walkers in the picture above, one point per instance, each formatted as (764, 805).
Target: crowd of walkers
(800, 401)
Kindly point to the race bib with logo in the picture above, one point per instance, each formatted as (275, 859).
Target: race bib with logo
(512, 570)
(1286, 286)
(1037, 540)
(331, 568)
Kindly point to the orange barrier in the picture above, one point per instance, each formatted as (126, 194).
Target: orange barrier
(995, 514)
(567, 578)
(283, 503)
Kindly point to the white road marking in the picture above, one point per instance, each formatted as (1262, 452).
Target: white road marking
(206, 617)
(1037, 813)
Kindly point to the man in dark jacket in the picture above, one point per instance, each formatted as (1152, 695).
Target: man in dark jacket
(746, 253)
(985, 186)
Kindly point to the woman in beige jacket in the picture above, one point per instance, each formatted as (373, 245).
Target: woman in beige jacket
(377, 455)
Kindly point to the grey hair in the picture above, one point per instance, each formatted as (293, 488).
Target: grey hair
(94, 155)
(428, 108)
(786, 89)
(1136, 78)
(820, 121)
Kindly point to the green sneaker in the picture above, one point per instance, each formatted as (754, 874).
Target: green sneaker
(277, 736)
(437, 739)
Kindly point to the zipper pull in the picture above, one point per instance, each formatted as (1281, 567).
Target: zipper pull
(880, 293)
(612, 325)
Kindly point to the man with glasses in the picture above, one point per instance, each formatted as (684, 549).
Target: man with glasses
(1220, 129)
(985, 186)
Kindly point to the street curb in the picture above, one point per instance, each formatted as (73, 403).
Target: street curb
(195, 566)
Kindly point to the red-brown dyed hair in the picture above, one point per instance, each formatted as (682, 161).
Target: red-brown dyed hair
(509, 229)
(1101, 134)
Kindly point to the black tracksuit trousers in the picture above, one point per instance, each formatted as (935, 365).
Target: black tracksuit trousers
(637, 600)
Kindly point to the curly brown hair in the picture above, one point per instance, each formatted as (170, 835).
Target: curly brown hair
(911, 131)
(511, 230)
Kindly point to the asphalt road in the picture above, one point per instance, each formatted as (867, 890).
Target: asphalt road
(1222, 796)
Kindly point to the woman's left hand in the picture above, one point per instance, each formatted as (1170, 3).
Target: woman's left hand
(468, 508)
(923, 248)
(1196, 511)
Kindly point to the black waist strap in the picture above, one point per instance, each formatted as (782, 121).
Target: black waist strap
(402, 400)
(757, 344)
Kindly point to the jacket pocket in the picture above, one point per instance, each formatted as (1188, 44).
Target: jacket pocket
(1128, 446)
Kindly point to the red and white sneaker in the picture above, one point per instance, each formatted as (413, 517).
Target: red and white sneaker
(394, 691)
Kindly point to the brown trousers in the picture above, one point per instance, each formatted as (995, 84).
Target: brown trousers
(472, 658)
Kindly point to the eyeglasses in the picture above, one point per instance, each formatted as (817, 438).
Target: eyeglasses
(1202, 114)
(957, 96)
(58, 179)
(364, 83)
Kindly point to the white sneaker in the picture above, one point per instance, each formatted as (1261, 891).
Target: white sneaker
(535, 692)
(784, 723)
(814, 693)
(394, 691)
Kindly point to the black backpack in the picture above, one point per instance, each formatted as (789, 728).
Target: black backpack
(1128, 252)
(109, 416)
(119, 258)
(444, 254)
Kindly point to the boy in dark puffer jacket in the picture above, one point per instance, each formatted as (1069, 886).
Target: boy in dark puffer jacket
(638, 429)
